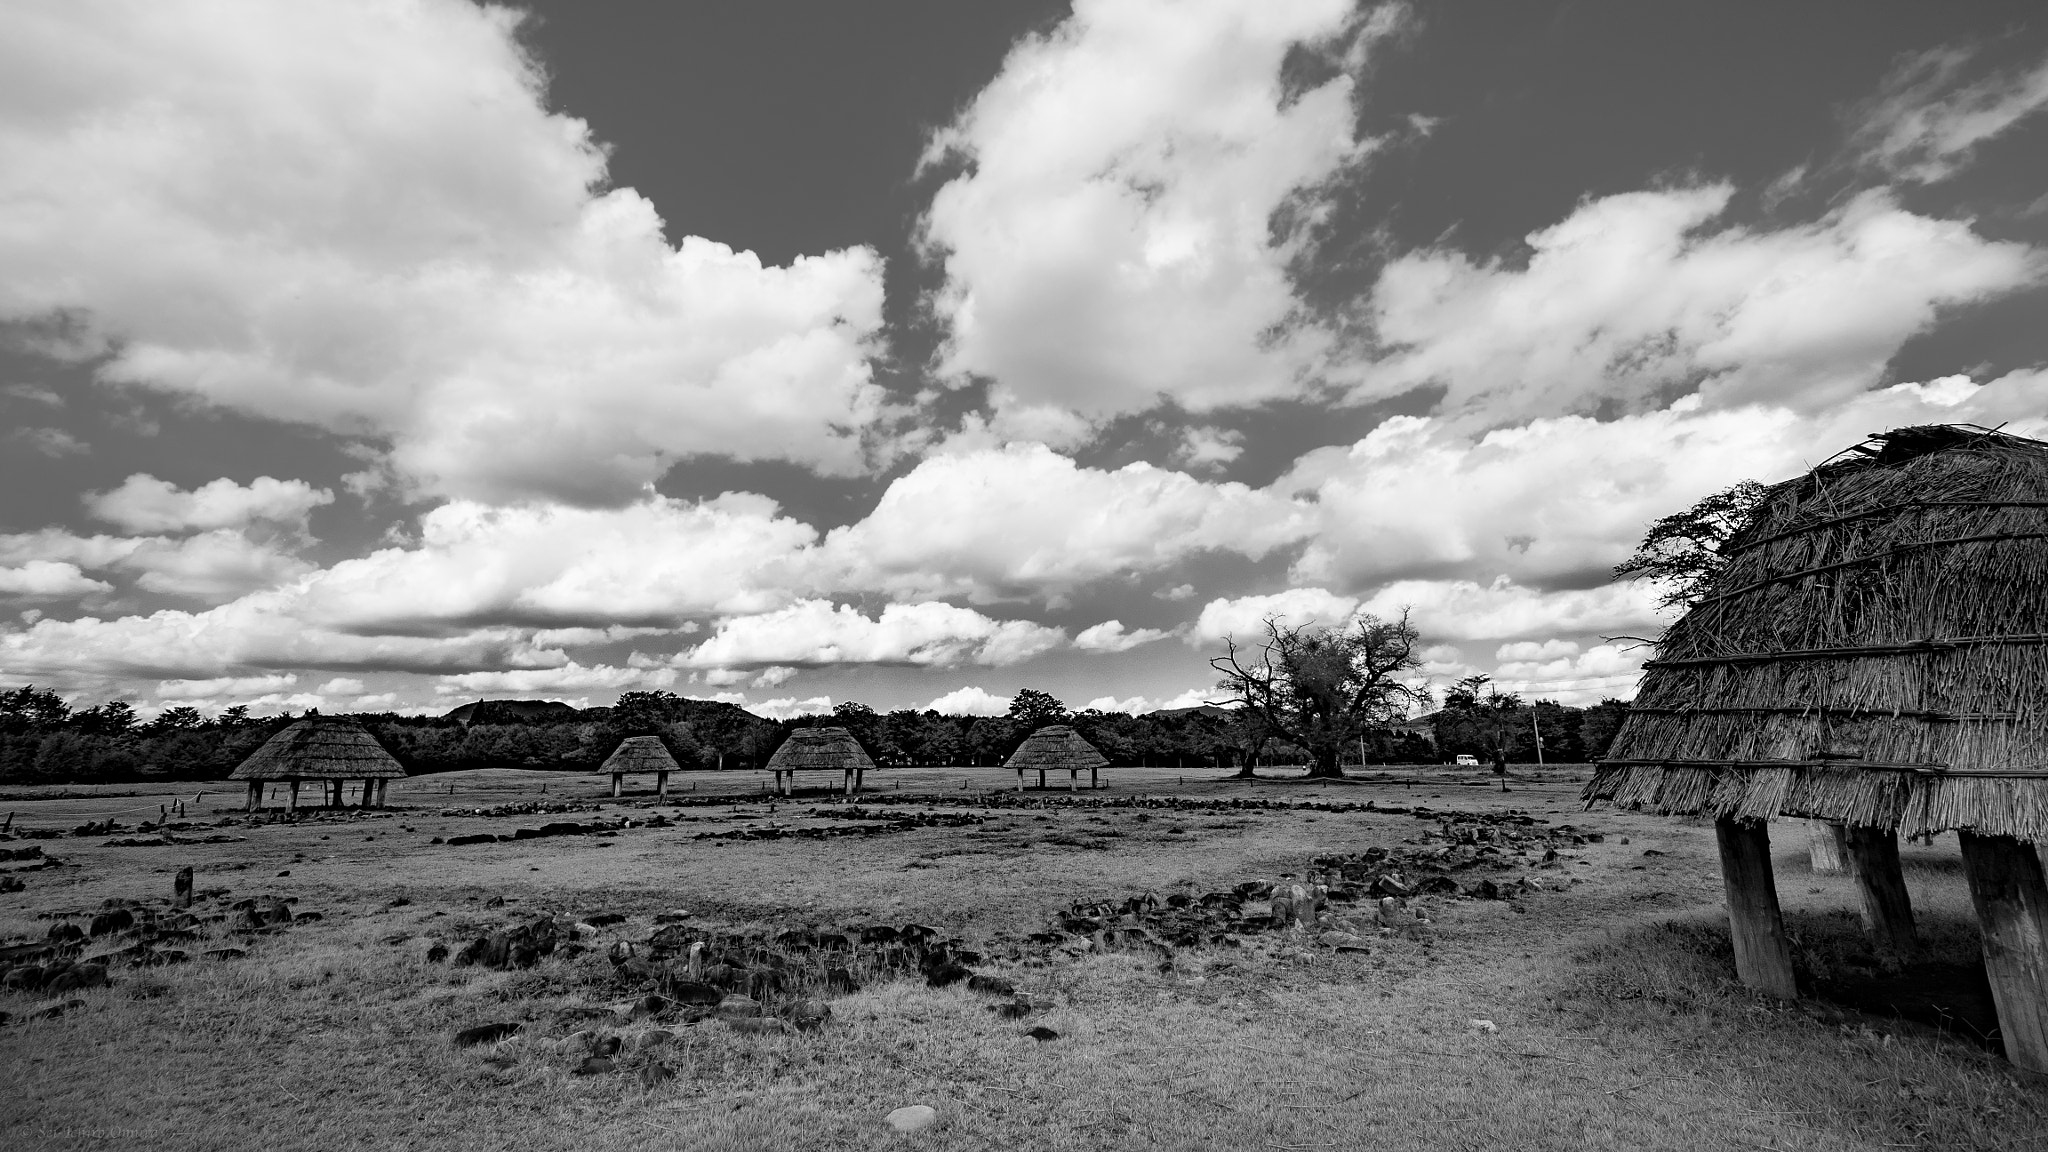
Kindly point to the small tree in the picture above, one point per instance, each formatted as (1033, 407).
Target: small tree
(1682, 551)
(1321, 687)
(1031, 710)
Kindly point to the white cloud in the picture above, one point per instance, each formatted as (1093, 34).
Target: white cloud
(1454, 610)
(652, 563)
(811, 632)
(1524, 650)
(236, 208)
(788, 706)
(1204, 447)
(225, 686)
(1581, 678)
(1244, 617)
(48, 580)
(342, 686)
(1139, 705)
(1559, 502)
(1638, 295)
(217, 565)
(1109, 636)
(144, 503)
(1924, 123)
(773, 677)
(970, 701)
(568, 677)
(1023, 519)
(1111, 241)
(52, 442)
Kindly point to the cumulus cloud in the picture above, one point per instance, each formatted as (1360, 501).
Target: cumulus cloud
(1454, 610)
(654, 563)
(971, 700)
(1556, 503)
(814, 632)
(48, 580)
(1926, 120)
(1139, 705)
(1110, 636)
(423, 251)
(144, 503)
(1639, 296)
(789, 706)
(1025, 520)
(226, 686)
(212, 566)
(342, 686)
(1244, 617)
(567, 677)
(1111, 240)
(1579, 678)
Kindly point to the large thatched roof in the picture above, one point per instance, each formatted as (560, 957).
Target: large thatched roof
(833, 748)
(1875, 650)
(320, 748)
(1056, 746)
(639, 754)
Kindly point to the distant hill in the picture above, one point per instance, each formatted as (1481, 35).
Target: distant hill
(1197, 710)
(502, 711)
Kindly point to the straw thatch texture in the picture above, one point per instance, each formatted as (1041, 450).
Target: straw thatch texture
(320, 748)
(829, 748)
(1056, 746)
(639, 754)
(1874, 651)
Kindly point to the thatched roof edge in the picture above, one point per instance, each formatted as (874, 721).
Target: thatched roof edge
(1056, 746)
(833, 749)
(639, 754)
(321, 748)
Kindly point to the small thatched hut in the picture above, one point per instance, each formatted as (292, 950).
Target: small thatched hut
(819, 749)
(1054, 747)
(1874, 652)
(331, 749)
(640, 754)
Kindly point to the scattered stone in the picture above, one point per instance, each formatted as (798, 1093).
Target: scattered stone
(653, 1038)
(992, 985)
(79, 977)
(736, 1006)
(486, 1034)
(913, 1118)
(118, 920)
(437, 953)
(653, 1076)
(809, 1013)
(756, 1024)
(1041, 1033)
(1484, 1027)
(594, 1066)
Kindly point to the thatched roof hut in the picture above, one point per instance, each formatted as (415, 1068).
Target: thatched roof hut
(331, 749)
(1055, 747)
(1874, 652)
(640, 754)
(820, 749)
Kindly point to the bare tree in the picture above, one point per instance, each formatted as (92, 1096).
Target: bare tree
(1322, 687)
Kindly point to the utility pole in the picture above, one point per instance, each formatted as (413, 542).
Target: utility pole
(1539, 734)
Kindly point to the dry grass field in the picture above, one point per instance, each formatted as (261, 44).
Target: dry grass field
(1614, 1018)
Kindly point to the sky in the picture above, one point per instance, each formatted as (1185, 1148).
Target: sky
(381, 355)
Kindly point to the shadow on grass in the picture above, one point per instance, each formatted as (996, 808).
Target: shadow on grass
(1900, 1050)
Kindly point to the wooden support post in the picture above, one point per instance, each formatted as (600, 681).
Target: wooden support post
(860, 776)
(616, 784)
(1827, 847)
(1763, 958)
(1094, 778)
(661, 783)
(1041, 779)
(848, 774)
(1073, 779)
(255, 795)
(1020, 779)
(295, 796)
(2007, 887)
(1887, 909)
(383, 792)
(181, 888)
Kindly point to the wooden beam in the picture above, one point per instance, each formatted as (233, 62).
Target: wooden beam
(2011, 897)
(1827, 847)
(1763, 957)
(1887, 909)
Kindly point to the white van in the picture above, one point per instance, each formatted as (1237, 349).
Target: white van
(1468, 761)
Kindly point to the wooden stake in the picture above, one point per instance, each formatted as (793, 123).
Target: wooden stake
(1887, 909)
(615, 785)
(1763, 958)
(255, 794)
(1827, 847)
(2011, 897)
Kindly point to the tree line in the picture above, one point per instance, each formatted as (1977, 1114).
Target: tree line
(44, 740)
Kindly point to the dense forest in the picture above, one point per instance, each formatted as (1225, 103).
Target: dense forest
(43, 740)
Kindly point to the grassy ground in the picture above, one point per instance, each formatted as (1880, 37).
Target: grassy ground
(1618, 1024)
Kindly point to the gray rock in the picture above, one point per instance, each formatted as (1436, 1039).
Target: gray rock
(913, 1118)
